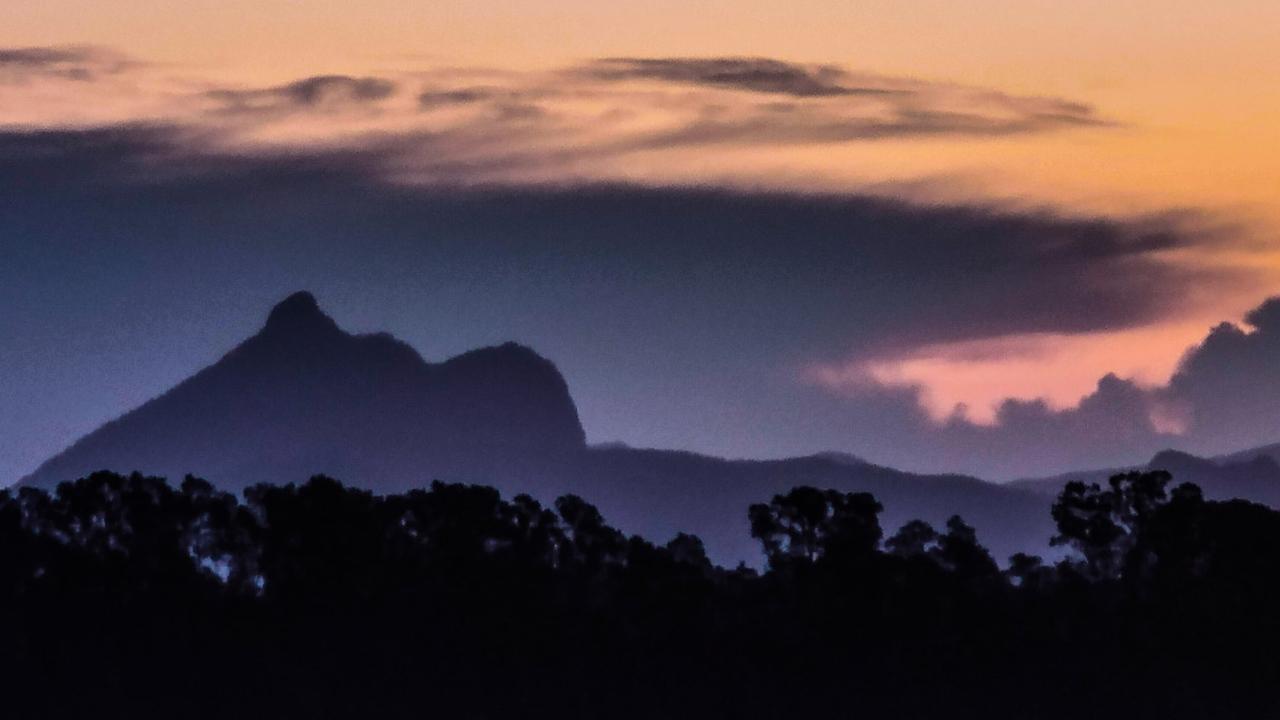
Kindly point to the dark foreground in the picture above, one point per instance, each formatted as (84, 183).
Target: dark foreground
(125, 597)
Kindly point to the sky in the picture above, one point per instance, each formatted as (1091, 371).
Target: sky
(994, 237)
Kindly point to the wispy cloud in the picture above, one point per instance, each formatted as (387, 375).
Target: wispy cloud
(582, 121)
(319, 92)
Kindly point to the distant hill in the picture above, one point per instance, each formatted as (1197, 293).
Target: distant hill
(303, 397)
(1250, 475)
(1272, 451)
(661, 492)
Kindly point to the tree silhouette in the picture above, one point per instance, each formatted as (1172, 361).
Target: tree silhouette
(1105, 525)
(807, 525)
(321, 600)
(959, 552)
(914, 539)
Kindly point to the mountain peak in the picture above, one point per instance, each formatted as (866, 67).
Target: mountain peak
(303, 397)
(298, 312)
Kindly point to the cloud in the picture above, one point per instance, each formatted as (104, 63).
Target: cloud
(835, 272)
(72, 62)
(870, 273)
(589, 121)
(319, 92)
(1111, 427)
(828, 104)
(469, 95)
(461, 96)
(763, 75)
(1224, 396)
(1227, 388)
(773, 125)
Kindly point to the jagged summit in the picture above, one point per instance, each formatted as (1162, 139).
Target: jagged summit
(301, 305)
(298, 314)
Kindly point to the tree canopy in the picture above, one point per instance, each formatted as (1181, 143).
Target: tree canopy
(126, 595)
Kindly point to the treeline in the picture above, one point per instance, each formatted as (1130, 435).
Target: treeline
(124, 596)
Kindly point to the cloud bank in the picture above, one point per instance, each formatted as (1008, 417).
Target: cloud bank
(1223, 396)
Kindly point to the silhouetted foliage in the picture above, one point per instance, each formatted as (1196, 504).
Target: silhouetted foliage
(808, 525)
(129, 597)
(1106, 525)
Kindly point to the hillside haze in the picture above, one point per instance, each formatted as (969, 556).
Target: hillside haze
(303, 397)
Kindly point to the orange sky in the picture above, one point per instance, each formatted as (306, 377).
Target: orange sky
(1193, 87)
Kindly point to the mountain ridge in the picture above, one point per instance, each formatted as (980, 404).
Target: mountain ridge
(1252, 474)
(304, 397)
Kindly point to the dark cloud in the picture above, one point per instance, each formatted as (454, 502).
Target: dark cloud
(1112, 426)
(321, 91)
(1227, 388)
(505, 105)
(430, 99)
(41, 56)
(991, 272)
(462, 96)
(341, 88)
(68, 62)
(134, 255)
(763, 75)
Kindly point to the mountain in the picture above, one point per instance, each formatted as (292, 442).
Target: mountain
(1251, 475)
(303, 397)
